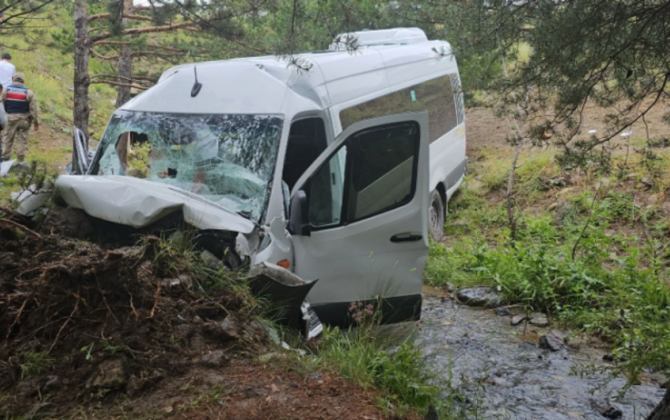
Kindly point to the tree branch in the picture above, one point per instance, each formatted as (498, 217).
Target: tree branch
(123, 15)
(109, 82)
(147, 30)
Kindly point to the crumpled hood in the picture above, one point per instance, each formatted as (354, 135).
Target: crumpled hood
(138, 203)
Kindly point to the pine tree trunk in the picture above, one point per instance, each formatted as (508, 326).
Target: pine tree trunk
(125, 63)
(662, 410)
(82, 80)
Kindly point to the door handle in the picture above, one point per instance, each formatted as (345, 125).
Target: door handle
(406, 237)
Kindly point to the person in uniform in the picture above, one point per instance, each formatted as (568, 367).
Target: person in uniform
(21, 108)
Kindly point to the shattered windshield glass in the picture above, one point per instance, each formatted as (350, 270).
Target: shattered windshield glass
(228, 159)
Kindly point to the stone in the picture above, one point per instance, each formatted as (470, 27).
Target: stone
(554, 341)
(223, 330)
(539, 320)
(647, 182)
(653, 199)
(503, 312)
(230, 328)
(459, 223)
(612, 413)
(184, 280)
(52, 383)
(449, 287)
(137, 384)
(518, 319)
(111, 374)
(211, 261)
(214, 359)
(483, 297)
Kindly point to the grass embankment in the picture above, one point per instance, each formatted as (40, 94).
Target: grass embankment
(592, 248)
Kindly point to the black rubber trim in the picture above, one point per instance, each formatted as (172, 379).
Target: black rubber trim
(394, 310)
(405, 238)
(456, 173)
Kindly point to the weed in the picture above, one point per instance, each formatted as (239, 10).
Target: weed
(34, 363)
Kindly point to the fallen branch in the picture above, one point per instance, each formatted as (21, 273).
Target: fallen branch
(62, 327)
(22, 227)
(588, 220)
(156, 297)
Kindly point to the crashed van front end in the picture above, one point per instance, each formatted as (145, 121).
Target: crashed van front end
(207, 173)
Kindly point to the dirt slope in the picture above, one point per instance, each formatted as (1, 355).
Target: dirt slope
(101, 332)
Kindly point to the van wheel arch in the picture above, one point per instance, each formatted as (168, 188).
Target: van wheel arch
(437, 212)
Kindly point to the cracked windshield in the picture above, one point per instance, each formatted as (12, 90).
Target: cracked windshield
(227, 159)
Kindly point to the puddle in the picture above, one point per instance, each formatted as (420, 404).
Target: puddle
(505, 375)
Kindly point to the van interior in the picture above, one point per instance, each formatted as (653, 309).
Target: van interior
(306, 141)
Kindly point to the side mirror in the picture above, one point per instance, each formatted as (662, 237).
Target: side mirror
(299, 218)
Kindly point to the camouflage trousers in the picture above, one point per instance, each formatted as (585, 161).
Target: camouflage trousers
(17, 129)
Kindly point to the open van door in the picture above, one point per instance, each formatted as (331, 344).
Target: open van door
(358, 219)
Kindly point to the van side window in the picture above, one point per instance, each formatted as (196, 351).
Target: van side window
(437, 96)
(306, 141)
(382, 170)
(373, 172)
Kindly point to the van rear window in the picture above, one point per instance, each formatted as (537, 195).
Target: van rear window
(435, 96)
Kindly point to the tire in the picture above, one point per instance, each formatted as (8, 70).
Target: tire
(436, 216)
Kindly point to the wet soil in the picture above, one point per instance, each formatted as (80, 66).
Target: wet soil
(505, 375)
(99, 332)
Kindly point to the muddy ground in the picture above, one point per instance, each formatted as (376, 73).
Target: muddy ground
(92, 331)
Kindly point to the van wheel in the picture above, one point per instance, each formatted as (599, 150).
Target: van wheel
(436, 215)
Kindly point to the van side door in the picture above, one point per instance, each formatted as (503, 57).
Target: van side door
(359, 219)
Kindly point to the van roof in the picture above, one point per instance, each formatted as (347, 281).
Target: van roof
(326, 78)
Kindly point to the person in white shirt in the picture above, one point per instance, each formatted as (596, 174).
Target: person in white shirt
(7, 70)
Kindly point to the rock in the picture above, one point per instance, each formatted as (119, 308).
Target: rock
(111, 374)
(214, 359)
(503, 312)
(539, 320)
(612, 413)
(432, 414)
(138, 384)
(449, 287)
(653, 199)
(485, 297)
(52, 383)
(518, 319)
(553, 341)
(211, 261)
(224, 330)
(459, 223)
(184, 280)
(19, 167)
(609, 358)
(647, 182)
(230, 328)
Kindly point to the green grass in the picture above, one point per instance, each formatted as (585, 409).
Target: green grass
(616, 287)
(34, 363)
